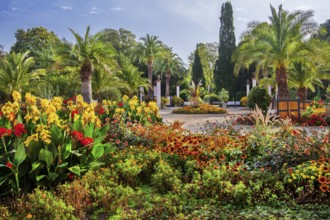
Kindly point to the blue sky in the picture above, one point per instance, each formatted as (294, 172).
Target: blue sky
(180, 24)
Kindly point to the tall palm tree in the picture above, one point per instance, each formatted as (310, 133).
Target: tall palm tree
(304, 76)
(89, 52)
(277, 44)
(16, 74)
(148, 50)
(168, 63)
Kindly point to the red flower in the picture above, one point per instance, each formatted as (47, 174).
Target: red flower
(19, 130)
(101, 111)
(5, 131)
(77, 135)
(0, 113)
(74, 112)
(70, 175)
(9, 165)
(120, 104)
(86, 141)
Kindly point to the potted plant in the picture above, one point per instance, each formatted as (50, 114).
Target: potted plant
(224, 97)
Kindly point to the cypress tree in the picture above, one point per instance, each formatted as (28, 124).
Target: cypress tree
(197, 68)
(224, 68)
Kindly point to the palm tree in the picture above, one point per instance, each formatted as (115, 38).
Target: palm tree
(89, 52)
(16, 74)
(304, 76)
(148, 50)
(132, 77)
(194, 92)
(276, 44)
(168, 63)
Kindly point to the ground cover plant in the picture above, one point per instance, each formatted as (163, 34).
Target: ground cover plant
(152, 170)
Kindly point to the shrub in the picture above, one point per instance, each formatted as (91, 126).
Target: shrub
(258, 96)
(164, 101)
(177, 101)
(243, 101)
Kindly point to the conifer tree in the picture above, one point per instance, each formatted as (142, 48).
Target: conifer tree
(197, 68)
(224, 68)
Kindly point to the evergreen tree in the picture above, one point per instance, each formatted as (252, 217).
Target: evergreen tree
(224, 68)
(197, 68)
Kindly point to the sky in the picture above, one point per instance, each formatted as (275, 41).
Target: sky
(180, 24)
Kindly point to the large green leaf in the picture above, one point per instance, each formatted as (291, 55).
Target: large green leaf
(95, 164)
(47, 156)
(77, 125)
(62, 165)
(66, 151)
(75, 170)
(20, 155)
(35, 166)
(38, 178)
(89, 130)
(98, 151)
(33, 150)
(56, 134)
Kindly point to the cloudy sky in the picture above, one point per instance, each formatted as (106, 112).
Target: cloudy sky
(180, 24)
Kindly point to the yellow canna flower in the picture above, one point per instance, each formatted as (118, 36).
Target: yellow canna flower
(30, 138)
(17, 96)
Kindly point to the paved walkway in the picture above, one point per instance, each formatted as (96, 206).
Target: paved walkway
(197, 122)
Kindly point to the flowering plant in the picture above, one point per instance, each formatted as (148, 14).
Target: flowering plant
(44, 142)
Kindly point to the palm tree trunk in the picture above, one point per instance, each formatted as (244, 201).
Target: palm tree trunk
(282, 83)
(149, 66)
(302, 94)
(167, 78)
(86, 82)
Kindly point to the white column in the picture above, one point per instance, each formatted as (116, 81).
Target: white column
(141, 93)
(158, 94)
(270, 90)
(155, 90)
(247, 89)
(254, 82)
(178, 91)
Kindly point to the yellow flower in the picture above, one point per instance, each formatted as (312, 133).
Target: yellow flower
(29, 216)
(17, 96)
(30, 99)
(30, 138)
(125, 98)
(44, 133)
(57, 102)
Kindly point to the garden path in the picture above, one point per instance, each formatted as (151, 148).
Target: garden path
(197, 122)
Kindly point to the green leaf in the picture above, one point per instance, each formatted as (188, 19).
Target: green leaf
(56, 134)
(47, 156)
(38, 178)
(35, 166)
(3, 180)
(62, 165)
(33, 150)
(77, 125)
(76, 152)
(52, 176)
(66, 151)
(75, 170)
(98, 151)
(95, 164)
(108, 148)
(89, 130)
(20, 155)
(98, 140)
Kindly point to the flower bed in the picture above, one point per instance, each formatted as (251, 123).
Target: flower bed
(158, 171)
(200, 109)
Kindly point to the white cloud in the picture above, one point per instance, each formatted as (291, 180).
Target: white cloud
(93, 12)
(242, 19)
(5, 13)
(240, 9)
(94, 9)
(304, 7)
(117, 9)
(66, 8)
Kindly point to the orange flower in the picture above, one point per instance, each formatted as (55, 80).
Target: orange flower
(325, 168)
(244, 156)
(324, 188)
(29, 216)
(322, 179)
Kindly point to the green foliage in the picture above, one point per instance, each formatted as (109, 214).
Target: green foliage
(177, 101)
(224, 68)
(243, 101)
(197, 68)
(224, 95)
(258, 97)
(164, 101)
